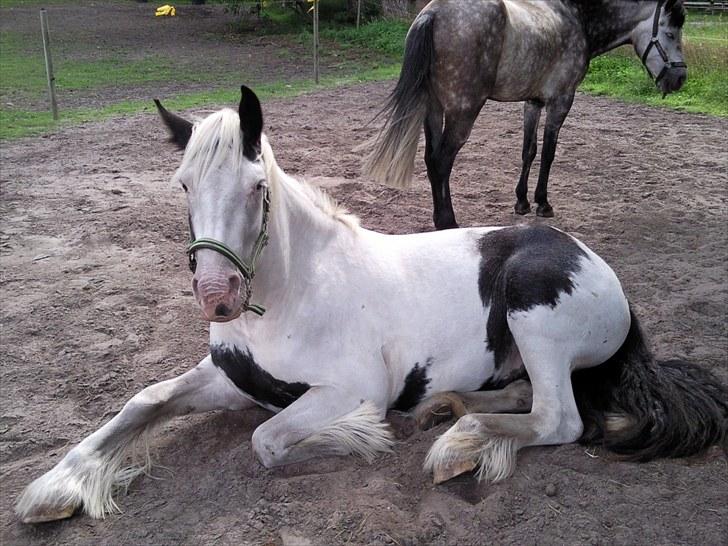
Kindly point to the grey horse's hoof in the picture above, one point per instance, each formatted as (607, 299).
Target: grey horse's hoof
(522, 207)
(545, 211)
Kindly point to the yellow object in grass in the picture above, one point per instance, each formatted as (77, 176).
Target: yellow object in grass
(165, 10)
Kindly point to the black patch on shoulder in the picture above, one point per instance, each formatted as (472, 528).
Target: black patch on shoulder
(253, 380)
(415, 386)
(522, 267)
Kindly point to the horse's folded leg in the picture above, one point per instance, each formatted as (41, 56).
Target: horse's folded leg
(438, 409)
(513, 398)
(324, 421)
(472, 443)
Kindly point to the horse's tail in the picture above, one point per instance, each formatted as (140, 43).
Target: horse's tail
(392, 158)
(644, 409)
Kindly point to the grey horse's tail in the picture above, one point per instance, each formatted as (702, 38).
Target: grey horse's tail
(392, 157)
(644, 409)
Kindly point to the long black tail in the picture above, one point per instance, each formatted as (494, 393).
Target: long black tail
(644, 409)
(392, 158)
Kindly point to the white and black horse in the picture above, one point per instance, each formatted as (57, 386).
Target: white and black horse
(460, 53)
(329, 325)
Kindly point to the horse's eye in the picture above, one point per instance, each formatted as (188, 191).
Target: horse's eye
(184, 188)
(670, 35)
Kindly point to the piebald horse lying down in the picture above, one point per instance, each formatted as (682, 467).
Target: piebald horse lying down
(329, 325)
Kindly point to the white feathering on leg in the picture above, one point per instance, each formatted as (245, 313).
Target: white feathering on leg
(494, 455)
(84, 480)
(360, 432)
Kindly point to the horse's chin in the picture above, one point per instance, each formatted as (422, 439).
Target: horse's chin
(223, 318)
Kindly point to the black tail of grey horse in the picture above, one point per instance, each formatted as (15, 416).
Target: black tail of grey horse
(459, 54)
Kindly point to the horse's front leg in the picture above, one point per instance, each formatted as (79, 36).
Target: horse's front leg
(531, 116)
(556, 112)
(88, 475)
(324, 421)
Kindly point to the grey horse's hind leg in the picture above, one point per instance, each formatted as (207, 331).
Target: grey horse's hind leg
(458, 125)
(531, 116)
(514, 398)
(556, 112)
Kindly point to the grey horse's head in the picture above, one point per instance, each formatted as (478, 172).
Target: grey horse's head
(658, 42)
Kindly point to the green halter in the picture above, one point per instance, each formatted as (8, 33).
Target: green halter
(246, 269)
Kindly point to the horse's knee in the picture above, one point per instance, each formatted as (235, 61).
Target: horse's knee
(269, 449)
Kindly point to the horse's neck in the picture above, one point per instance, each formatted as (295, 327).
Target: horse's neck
(298, 231)
(610, 23)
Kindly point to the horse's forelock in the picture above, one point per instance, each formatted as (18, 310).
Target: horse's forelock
(215, 140)
(675, 11)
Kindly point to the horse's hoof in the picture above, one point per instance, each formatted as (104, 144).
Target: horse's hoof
(442, 473)
(45, 513)
(446, 225)
(433, 415)
(438, 409)
(522, 207)
(545, 211)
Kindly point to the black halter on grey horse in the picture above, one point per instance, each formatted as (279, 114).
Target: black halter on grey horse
(460, 53)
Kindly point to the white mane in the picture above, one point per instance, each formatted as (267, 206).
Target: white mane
(218, 137)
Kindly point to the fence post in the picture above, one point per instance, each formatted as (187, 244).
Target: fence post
(316, 40)
(358, 13)
(48, 62)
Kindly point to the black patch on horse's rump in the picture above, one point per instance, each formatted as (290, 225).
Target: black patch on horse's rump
(415, 386)
(522, 267)
(253, 380)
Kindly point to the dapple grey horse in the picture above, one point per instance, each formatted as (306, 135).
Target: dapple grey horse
(461, 53)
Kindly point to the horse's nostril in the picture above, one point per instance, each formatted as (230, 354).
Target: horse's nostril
(222, 310)
(680, 80)
(234, 281)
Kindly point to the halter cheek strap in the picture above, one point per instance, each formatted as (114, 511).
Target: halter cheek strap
(247, 269)
(655, 42)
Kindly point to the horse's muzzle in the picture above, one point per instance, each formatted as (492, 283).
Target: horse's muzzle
(218, 294)
(673, 80)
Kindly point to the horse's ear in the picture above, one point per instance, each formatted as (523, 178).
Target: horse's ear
(180, 130)
(251, 122)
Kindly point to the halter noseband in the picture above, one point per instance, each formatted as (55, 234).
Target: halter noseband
(655, 42)
(247, 269)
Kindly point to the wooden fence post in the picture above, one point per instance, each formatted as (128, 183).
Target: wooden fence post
(48, 61)
(316, 40)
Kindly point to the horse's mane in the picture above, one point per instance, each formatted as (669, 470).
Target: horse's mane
(318, 197)
(675, 9)
(218, 138)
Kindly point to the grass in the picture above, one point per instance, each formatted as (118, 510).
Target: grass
(378, 46)
(21, 123)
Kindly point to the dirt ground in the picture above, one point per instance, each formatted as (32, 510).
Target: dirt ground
(96, 304)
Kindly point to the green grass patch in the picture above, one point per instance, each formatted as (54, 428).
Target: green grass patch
(22, 123)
